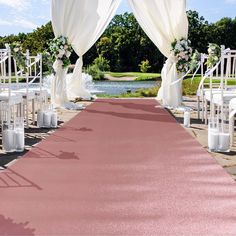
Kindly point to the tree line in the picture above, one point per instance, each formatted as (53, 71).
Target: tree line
(125, 46)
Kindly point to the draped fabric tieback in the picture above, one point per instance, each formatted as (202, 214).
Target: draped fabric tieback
(75, 88)
(58, 87)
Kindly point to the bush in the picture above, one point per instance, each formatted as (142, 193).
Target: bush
(190, 87)
(95, 72)
(102, 63)
(144, 66)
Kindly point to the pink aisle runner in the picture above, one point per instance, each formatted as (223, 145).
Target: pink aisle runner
(121, 167)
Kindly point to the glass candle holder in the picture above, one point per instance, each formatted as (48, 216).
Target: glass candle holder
(54, 120)
(19, 135)
(213, 135)
(187, 119)
(47, 117)
(224, 138)
(40, 118)
(8, 141)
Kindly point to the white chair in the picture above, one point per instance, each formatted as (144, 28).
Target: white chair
(218, 91)
(32, 89)
(22, 94)
(232, 113)
(10, 102)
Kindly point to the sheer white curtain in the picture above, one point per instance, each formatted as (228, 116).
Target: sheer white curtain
(164, 21)
(83, 22)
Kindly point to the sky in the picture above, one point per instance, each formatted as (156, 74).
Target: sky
(26, 15)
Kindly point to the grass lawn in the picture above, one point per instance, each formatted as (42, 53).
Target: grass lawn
(140, 76)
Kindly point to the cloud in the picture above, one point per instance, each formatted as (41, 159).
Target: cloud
(24, 23)
(46, 1)
(230, 1)
(5, 22)
(19, 5)
(19, 22)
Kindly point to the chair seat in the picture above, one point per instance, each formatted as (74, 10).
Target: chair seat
(199, 91)
(39, 92)
(217, 98)
(214, 90)
(29, 95)
(232, 104)
(216, 95)
(13, 99)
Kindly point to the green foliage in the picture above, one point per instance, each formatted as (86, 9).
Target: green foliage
(190, 87)
(95, 72)
(144, 66)
(18, 55)
(102, 63)
(150, 92)
(47, 63)
(214, 54)
(199, 33)
(195, 60)
(38, 40)
(125, 44)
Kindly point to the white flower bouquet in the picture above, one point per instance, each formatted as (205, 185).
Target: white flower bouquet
(61, 50)
(183, 53)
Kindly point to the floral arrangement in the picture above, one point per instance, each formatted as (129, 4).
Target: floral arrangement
(214, 52)
(61, 50)
(182, 52)
(18, 55)
(48, 62)
(195, 60)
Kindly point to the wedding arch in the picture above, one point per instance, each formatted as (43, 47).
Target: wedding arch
(84, 21)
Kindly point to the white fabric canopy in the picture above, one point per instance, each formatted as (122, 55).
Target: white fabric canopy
(164, 21)
(83, 22)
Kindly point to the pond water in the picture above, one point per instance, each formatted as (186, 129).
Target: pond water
(116, 88)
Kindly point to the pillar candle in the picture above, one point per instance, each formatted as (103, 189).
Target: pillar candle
(19, 140)
(54, 120)
(213, 139)
(8, 140)
(187, 117)
(224, 142)
(47, 119)
(40, 118)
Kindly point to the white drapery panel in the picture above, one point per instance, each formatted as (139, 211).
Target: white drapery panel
(83, 22)
(164, 21)
(58, 87)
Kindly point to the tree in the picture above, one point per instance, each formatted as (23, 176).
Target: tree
(198, 31)
(224, 32)
(39, 39)
(125, 44)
